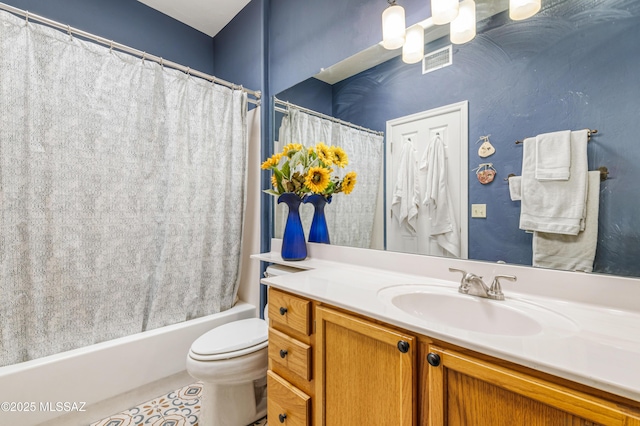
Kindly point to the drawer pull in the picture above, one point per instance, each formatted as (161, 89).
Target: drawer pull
(283, 353)
(283, 310)
(403, 346)
(282, 417)
(433, 359)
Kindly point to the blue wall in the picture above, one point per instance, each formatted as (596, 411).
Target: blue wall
(567, 70)
(305, 36)
(238, 48)
(131, 23)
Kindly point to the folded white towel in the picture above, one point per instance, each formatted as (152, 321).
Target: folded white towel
(572, 252)
(553, 155)
(406, 193)
(515, 188)
(555, 206)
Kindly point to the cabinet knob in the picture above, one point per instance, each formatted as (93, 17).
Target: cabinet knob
(283, 353)
(282, 417)
(403, 346)
(283, 310)
(433, 359)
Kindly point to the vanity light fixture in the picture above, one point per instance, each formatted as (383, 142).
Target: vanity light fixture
(523, 9)
(444, 11)
(463, 28)
(393, 26)
(413, 48)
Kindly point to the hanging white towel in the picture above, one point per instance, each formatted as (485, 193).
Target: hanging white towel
(437, 197)
(515, 188)
(553, 156)
(572, 252)
(406, 193)
(555, 206)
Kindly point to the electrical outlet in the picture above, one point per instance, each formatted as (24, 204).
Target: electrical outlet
(479, 210)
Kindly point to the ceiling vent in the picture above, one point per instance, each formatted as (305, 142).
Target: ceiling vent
(437, 59)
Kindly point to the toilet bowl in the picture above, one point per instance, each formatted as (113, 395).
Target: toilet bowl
(231, 361)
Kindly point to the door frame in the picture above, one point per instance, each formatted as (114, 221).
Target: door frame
(463, 108)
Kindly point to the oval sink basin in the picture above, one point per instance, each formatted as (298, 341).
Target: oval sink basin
(447, 307)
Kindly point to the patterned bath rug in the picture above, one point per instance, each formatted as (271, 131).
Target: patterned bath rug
(177, 408)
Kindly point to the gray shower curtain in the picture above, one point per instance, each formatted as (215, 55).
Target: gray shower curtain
(122, 189)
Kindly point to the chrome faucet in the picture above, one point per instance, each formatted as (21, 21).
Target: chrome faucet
(474, 285)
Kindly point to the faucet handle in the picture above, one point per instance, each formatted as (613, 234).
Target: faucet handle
(464, 273)
(495, 291)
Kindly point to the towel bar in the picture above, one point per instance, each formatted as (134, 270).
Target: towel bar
(604, 174)
(589, 133)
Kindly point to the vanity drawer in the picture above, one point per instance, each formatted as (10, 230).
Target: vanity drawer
(286, 404)
(290, 310)
(290, 354)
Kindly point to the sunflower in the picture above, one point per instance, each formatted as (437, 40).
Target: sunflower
(348, 182)
(271, 162)
(325, 154)
(274, 181)
(291, 147)
(317, 179)
(340, 158)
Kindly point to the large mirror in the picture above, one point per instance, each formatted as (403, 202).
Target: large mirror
(572, 66)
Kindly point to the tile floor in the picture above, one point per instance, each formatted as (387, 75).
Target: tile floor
(177, 408)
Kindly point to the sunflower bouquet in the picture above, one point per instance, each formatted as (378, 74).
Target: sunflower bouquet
(306, 171)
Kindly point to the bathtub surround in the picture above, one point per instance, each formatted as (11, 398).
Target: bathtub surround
(113, 172)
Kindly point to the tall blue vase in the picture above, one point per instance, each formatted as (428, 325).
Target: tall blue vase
(294, 246)
(319, 233)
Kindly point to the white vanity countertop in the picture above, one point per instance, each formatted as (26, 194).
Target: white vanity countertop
(601, 351)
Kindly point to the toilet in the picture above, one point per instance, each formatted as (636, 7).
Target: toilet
(231, 361)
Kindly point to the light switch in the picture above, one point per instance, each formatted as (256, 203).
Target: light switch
(479, 210)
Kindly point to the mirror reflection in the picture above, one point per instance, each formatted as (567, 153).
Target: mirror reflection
(570, 67)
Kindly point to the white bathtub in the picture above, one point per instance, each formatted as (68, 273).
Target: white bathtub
(102, 372)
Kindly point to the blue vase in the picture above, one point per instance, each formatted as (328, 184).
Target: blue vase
(319, 233)
(294, 246)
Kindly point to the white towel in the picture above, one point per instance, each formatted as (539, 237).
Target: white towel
(553, 156)
(572, 252)
(515, 188)
(406, 194)
(437, 198)
(556, 207)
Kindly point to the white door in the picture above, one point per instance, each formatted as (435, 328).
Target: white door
(450, 124)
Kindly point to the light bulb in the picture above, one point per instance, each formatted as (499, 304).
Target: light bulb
(413, 48)
(523, 9)
(463, 28)
(393, 27)
(444, 11)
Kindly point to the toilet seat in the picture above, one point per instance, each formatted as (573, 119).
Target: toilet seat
(231, 340)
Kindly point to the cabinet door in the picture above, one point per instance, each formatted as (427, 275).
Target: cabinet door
(464, 390)
(364, 372)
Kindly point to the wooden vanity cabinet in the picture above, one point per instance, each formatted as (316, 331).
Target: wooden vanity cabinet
(365, 372)
(331, 367)
(290, 384)
(461, 389)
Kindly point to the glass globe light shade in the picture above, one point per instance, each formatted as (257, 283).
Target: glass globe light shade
(393, 27)
(463, 28)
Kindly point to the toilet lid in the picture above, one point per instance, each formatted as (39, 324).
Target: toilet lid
(236, 336)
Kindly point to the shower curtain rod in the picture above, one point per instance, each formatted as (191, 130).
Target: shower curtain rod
(130, 50)
(321, 115)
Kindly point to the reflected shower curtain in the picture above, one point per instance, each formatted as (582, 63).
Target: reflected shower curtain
(350, 217)
(122, 189)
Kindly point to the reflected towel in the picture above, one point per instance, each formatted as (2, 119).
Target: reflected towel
(553, 156)
(406, 193)
(437, 198)
(572, 252)
(555, 206)
(515, 188)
